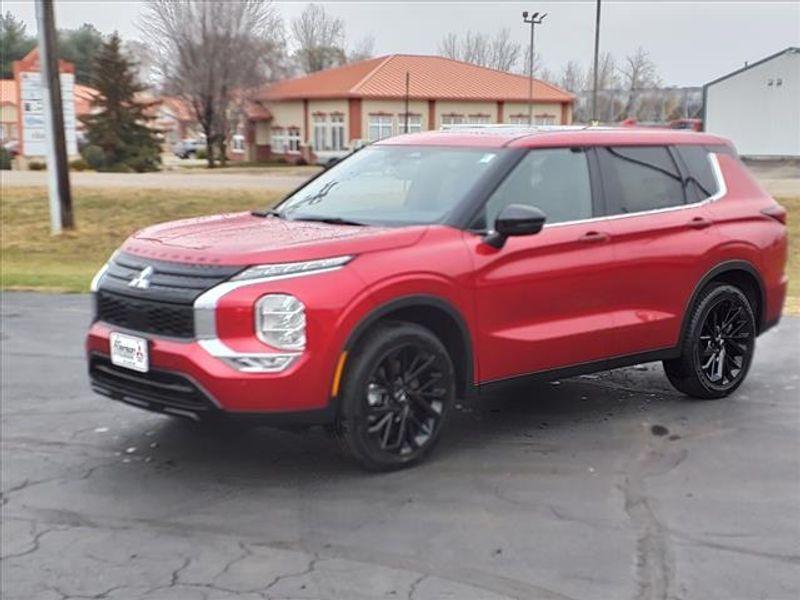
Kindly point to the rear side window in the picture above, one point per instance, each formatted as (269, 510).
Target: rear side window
(700, 181)
(640, 178)
(555, 180)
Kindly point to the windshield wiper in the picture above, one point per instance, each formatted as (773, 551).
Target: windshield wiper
(328, 220)
(267, 213)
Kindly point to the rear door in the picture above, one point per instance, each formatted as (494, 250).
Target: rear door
(542, 301)
(661, 233)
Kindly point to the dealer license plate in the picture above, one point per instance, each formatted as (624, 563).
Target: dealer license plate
(129, 351)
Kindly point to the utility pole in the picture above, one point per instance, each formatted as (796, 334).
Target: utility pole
(534, 20)
(57, 168)
(596, 60)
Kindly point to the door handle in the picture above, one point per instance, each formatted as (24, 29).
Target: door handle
(593, 237)
(700, 223)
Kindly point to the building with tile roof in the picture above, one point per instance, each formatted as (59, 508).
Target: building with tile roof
(323, 115)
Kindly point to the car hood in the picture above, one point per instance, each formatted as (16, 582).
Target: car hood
(242, 238)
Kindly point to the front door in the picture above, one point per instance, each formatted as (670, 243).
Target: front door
(542, 301)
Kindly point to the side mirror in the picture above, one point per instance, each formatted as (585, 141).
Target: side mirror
(515, 219)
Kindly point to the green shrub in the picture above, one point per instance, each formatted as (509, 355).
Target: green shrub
(94, 157)
(37, 165)
(202, 153)
(78, 164)
(5, 159)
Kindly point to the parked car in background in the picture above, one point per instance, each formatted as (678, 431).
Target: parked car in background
(693, 124)
(434, 266)
(12, 148)
(186, 148)
(328, 158)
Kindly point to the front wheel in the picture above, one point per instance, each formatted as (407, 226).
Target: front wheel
(396, 396)
(718, 344)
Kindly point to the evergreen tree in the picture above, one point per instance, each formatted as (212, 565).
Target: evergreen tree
(15, 43)
(80, 46)
(117, 124)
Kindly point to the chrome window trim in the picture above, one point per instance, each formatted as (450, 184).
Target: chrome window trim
(722, 190)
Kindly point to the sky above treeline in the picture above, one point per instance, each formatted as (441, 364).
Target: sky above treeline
(690, 42)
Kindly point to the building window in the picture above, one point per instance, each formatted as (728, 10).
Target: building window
(237, 144)
(414, 123)
(278, 140)
(544, 120)
(518, 119)
(380, 126)
(452, 119)
(479, 119)
(337, 131)
(293, 139)
(320, 132)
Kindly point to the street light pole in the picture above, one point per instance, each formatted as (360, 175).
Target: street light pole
(596, 60)
(58, 174)
(534, 20)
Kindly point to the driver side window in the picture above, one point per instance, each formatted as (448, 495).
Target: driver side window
(555, 180)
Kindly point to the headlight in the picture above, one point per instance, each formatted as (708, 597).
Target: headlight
(292, 268)
(281, 321)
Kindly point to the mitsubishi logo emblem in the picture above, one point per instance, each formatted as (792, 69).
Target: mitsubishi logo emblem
(142, 280)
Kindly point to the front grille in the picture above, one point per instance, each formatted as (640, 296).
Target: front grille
(155, 390)
(173, 320)
(165, 306)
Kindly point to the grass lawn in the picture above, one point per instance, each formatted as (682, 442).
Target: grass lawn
(33, 259)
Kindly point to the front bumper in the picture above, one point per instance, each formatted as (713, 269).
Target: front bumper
(186, 380)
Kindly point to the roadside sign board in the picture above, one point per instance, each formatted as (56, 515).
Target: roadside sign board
(32, 109)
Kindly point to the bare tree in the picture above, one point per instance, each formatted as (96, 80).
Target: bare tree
(498, 52)
(572, 77)
(449, 47)
(639, 72)
(504, 51)
(144, 62)
(538, 63)
(363, 50)
(319, 38)
(208, 52)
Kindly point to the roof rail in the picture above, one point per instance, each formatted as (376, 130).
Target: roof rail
(512, 129)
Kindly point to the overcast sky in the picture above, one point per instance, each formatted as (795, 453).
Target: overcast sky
(691, 42)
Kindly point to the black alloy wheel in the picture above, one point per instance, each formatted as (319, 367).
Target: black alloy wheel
(397, 393)
(718, 345)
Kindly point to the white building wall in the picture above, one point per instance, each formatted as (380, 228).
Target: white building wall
(761, 119)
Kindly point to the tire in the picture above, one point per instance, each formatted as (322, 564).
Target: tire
(718, 344)
(396, 396)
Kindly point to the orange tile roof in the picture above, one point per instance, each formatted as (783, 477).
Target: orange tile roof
(431, 77)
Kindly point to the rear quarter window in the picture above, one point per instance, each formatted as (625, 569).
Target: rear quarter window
(701, 182)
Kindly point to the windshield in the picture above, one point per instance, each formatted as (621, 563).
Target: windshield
(391, 185)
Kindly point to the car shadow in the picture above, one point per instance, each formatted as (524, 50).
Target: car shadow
(241, 455)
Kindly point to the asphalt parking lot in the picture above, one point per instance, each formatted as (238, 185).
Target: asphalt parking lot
(599, 487)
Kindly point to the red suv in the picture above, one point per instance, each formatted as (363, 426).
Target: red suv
(428, 267)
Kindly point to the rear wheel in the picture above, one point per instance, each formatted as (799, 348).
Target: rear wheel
(718, 344)
(396, 396)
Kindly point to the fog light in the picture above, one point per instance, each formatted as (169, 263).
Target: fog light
(260, 363)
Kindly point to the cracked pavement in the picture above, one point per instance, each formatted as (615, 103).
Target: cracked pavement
(604, 486)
